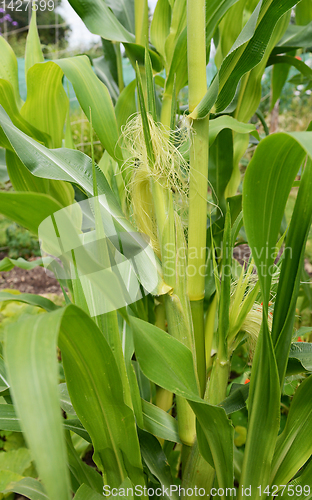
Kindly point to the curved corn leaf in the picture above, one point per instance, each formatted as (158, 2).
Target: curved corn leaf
(100, 20)
(215, 10)
(304, 12)
(304, 69)
(9, 69)
(80, 470)
(295, 37)
(156, 461)
(7, 264)
(159, 423)
(92, 93)
(24, 181)
(97, 396)
(29, 298)
(247, 51)
(7, 100)
(285, 304)
(224, 122)
(47, 103)
(32, 369)
(28, 209)
(103, 70)
(126, 105)
(33, 52)
(169, 363)
(9, 421)
(294, 445)
(160, 26)
(86, 493)
(29, 487)
(302, 351)
(300, 487)
(95, 388)
(282, 155)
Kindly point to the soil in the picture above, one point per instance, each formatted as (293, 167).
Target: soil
(33, 281)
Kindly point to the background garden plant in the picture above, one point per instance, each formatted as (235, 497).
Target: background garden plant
(148, 385)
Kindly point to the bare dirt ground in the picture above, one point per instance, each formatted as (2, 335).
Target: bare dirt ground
(34, 281)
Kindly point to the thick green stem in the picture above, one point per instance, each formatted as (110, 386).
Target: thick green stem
(141, 22)
(209, 329)
(197, 308)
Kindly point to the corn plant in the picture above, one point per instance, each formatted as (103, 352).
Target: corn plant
(155, 306)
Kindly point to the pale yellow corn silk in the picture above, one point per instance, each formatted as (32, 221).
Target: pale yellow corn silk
(169, 169)
(253, 320)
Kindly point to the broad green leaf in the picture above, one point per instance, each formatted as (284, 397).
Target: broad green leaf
(92, 93)
(160, 26)
(304, 69)
(293, 447)
(4, 177)
(100, 20)
(97, 396)
(228, 30)
(236, 400)
(126, 105)
(74, 166)
(33, 52)
(267, 183)
(7, 477)
(9, 421)
(304, 12)
(302, 351)
(249, 95)
(295, 37)
(286, 299)
(300, 487)
(264, 414)
(136, 54)
(15, 460)
(7, 264)
(65, 400)
(279, 77)
(156, 460)
(47, 103)
(80, 470)
(221, 165)
(74, 425)
(86, 493)
(169, 363)
(33, 371)
(265, 193)
(228, 122)
(124, 11)
(178, 24)
(178, 71)
(103, 71)
(24, 181)
(29, 487)
(215, 10)
(29, 298)
(7, 100)
(28, 209)
(247, 51)
(8, 68)
(159, 423)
